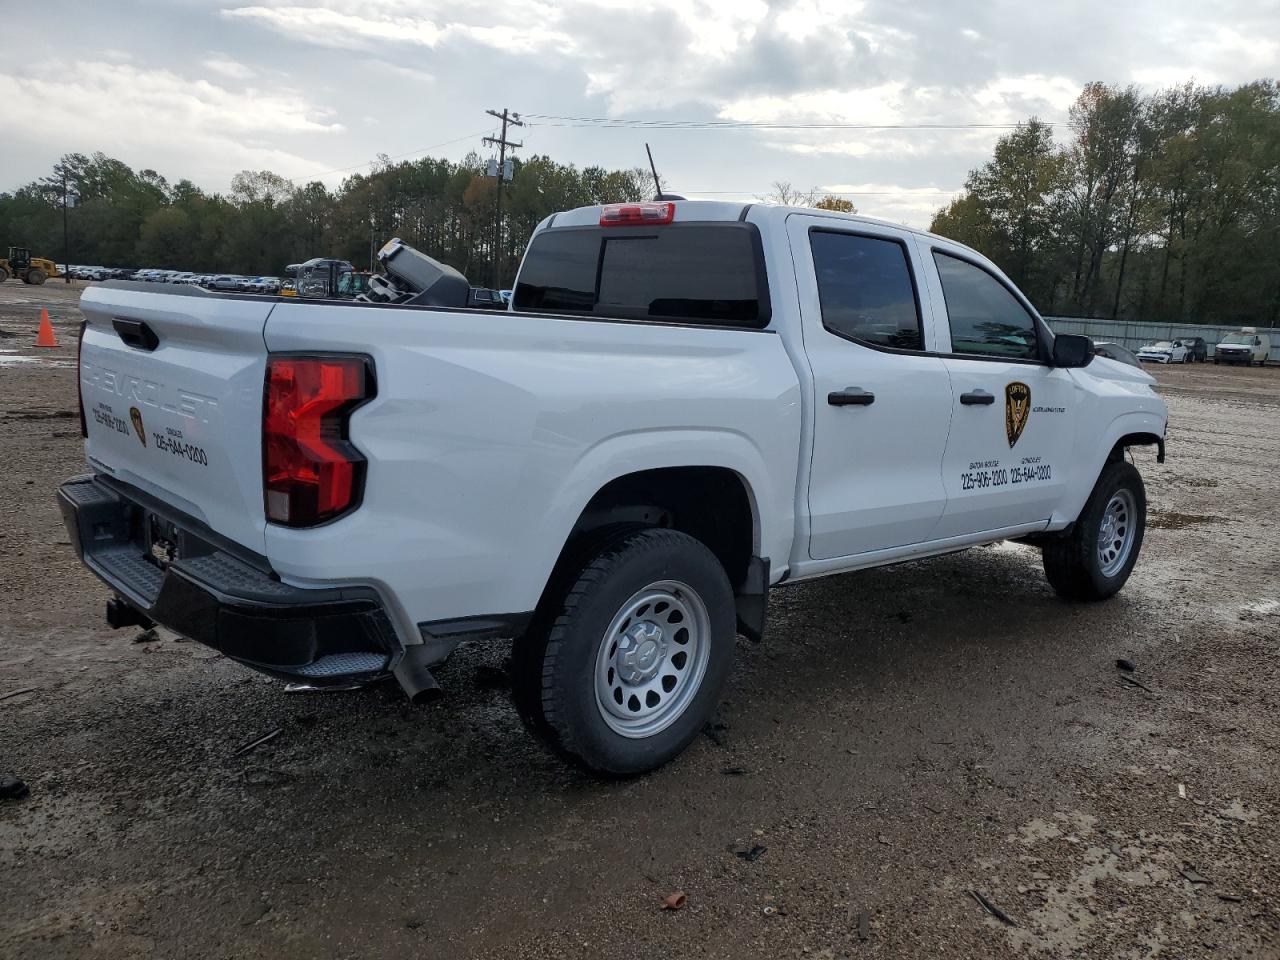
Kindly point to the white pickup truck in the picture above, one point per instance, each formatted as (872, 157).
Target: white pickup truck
(687, 404)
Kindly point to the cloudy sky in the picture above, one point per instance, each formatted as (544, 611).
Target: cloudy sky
(204, 88)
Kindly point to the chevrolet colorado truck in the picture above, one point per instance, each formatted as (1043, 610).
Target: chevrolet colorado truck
(687, 404)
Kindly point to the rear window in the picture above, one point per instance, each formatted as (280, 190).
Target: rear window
(684, 273)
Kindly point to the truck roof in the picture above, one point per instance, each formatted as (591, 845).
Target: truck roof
(704, 210)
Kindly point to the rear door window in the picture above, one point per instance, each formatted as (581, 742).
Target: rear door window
(866, 290)
(694, 273)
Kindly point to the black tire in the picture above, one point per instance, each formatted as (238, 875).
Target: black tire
(1071, 563)
(35, 276)
(554, 663)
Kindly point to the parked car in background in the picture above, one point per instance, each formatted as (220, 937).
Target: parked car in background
(1197, 349)
(1247, 347)
(1113, 351)
(224, 281)
(1164, 351)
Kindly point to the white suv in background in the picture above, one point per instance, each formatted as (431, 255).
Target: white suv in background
(1165, 351)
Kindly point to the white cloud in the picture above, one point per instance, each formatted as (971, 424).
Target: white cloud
(229, 68)
(365, 27)
(159, 116)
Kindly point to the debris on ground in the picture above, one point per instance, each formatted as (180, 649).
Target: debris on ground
(752, 855)
(13, 788)
(1191, 876)
(1230, 898)
(148, 635)
(1131, 681)
(864, 926)
(17, 693)
(674, 901)
(1125, 665)
(992, 909)
(734, 771)
(254, 744)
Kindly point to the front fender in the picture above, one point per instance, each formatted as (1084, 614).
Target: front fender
(1089, 465)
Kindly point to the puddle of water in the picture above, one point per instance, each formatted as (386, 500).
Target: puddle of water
(1262, 607)
(1161, 520)
(12, 358)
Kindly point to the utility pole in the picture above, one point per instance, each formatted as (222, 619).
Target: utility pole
(501, 142)
(66, 245)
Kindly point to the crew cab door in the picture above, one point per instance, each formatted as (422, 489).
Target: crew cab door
(881, 404)
(1013, 419)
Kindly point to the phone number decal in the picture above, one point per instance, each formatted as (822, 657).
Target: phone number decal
(990, 479)
(180, 448)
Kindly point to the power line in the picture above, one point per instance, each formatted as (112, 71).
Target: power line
(610, 123)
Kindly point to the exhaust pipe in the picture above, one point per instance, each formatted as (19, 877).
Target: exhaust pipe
(414, 677)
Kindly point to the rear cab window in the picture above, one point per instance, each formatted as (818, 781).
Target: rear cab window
(702, 273)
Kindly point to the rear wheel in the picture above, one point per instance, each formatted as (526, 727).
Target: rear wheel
(1095, 559)
(632, 664)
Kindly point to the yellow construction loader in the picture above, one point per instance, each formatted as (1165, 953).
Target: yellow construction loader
(28, 269)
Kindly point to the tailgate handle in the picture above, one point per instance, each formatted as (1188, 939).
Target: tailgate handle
(136, 333)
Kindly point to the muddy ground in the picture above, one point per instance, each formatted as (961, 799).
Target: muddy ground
(902, 737)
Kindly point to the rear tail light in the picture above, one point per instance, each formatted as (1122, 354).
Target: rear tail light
(84, 424)
(311, 473)
(637, 214)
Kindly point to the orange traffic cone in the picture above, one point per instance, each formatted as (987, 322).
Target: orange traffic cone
(45, 337)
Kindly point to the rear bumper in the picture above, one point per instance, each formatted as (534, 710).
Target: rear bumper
(232, 603)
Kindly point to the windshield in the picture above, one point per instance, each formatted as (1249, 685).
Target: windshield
(1245, 338)
(1162, 345)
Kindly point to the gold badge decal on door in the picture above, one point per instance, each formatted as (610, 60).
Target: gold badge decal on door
(136, 416)
(1017, 408)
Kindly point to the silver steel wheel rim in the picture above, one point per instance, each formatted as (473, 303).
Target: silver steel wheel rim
(652, 659)
(1116, 532)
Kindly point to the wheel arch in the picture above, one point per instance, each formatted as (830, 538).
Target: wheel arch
(713, 503)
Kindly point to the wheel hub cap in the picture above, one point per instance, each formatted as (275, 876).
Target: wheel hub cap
(641, 652)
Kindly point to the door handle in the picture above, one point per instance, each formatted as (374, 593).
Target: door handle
(979, 398)
(851, 397)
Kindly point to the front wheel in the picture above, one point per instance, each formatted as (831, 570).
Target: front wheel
(1095, 559)
(35, 276)
(633, 663)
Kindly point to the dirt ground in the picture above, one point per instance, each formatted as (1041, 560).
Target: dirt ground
(902, 737)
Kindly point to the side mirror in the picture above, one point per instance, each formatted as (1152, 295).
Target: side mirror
(1072, 350)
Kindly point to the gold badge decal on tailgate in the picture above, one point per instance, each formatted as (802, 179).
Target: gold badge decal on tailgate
(136, 416)
(1017, 408)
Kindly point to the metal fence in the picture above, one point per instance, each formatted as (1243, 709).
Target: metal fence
(1135, 335)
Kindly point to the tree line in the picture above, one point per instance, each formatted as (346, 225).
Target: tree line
(128, 218)
(1160, 207)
